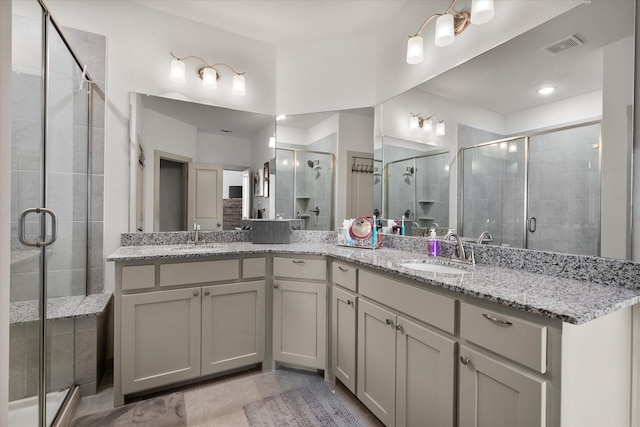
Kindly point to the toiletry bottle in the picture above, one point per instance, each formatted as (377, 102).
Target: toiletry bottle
(374, 234)
(433, 246)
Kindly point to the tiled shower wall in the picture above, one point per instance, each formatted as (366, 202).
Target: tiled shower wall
(564, 191)
(67, 172)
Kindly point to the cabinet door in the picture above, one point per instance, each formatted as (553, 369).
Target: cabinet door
(493, 393)
(232, 326)
(300, 323)
(160, 338)
(377, 360)
(424, 376)
(343, 336)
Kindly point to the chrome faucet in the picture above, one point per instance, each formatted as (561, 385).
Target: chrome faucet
(458, 251)
(196, 238)
(481, 239)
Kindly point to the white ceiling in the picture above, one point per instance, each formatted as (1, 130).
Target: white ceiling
(283, 22)
(505, 79)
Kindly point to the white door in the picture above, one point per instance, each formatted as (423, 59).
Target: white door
(424, 376)
(232, 326)
(205, 196)
(493, 393)
(343, 336)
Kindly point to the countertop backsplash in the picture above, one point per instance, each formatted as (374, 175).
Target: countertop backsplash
(605, 271)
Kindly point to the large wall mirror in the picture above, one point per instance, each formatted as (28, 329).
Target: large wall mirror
(539, 171)
(314, 153)
(195, 163)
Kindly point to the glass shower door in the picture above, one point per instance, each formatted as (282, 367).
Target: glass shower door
(49, 219)
(563, 209)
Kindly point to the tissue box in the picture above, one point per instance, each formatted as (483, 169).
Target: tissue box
(267, 231)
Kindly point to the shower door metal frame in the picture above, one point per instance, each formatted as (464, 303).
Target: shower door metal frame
(526, 137)
(49, 20)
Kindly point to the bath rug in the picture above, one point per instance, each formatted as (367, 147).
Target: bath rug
(161, 411)
(312, 406)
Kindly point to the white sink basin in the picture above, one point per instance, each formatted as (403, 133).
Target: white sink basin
(433, 268)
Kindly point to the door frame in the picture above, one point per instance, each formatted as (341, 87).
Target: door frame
(163, 155)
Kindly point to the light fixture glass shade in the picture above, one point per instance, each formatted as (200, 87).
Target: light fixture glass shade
(414, 122)
(427, 126)
(238, 85)
(481, 11)
(444, 30)
(415, 50)
(177, 73)
(440, 129)
(209, 78)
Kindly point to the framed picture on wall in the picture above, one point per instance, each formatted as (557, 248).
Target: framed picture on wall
(265, 174)
(258, 183)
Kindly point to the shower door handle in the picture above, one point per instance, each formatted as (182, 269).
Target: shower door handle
(533, 224)
(38, 243)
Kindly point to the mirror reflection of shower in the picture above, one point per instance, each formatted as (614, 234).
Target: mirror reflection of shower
(305, 186)
(417, 189)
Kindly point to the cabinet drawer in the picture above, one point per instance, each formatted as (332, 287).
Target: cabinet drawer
(344, 275)
(434, 309)
(138, 277)
(198, 272)
(521, 341)
(253, 268)
(315, 269)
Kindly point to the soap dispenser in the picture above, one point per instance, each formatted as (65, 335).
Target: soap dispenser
(433, 246)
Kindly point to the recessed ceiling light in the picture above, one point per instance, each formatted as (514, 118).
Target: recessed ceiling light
(546, 90)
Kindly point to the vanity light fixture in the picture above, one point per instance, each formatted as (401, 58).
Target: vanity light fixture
(424, 122)
(208, 73)
(448, 25)
(547, 90)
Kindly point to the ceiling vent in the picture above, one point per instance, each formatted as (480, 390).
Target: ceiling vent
(564, 45)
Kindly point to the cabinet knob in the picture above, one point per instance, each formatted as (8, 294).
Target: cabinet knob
(341, 268)
(390, 322)
(400, 328)
(465, 360)
(196, 293)
(207, 293)
(276, 286)
(349, 302)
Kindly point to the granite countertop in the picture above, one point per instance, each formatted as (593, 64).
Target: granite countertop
(23, 312)
(569, 300)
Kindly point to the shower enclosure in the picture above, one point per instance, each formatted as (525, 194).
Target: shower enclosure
(420, 185)
(50, 225)
(537, 191)
(304, 187)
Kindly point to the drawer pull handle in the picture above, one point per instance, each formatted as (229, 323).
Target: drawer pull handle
(349, 302)
(196, 293)
(390, 322)
(465, 360)
(297, 261)
(207, 293)
(341, 268)
(400, 328)
(276, 286)
(496, 320)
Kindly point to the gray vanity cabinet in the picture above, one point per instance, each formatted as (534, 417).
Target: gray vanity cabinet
(405, 366)
(300, 311)
(160, 338)
(193, 329)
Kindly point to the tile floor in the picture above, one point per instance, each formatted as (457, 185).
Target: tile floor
(219, 402)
